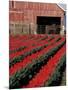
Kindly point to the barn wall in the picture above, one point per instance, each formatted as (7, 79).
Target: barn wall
(26, 13)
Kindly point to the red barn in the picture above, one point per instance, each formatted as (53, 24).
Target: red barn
(34, 17)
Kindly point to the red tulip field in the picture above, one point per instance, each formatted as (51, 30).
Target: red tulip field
(36, 60)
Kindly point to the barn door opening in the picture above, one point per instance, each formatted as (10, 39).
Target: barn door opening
(49, 25)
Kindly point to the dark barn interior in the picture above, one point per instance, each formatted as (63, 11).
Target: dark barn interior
(51, 23)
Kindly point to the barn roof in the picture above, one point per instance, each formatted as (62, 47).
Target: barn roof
(62, 6)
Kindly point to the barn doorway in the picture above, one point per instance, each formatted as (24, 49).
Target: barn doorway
(48, 25)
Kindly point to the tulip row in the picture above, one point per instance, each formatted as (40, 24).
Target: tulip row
(17, 43)
(17, 49)
(23, 76)
(30, 52)
(28, 44)
(45, 74)
(56, 76)
(35, 44)
(28, 59)
(36, 60)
